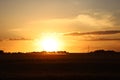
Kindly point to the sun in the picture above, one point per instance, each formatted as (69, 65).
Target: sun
(50, 44)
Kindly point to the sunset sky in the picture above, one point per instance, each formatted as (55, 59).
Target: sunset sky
(77, 24)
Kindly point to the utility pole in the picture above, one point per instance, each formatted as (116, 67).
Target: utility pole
(88, 48)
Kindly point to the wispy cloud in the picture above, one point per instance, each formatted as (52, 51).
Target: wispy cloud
(1, 40)
(93, 33)
(13, 39)
(86, 21)
(105, 39)
(82, 22)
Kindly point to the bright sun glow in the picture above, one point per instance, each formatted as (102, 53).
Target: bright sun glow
(50, 44)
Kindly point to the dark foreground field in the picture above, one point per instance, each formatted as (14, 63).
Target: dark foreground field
(59, 67)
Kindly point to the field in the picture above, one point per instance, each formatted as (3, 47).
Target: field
(59, 67)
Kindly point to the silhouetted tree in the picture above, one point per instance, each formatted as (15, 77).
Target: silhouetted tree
(1, 52)
(103, 52)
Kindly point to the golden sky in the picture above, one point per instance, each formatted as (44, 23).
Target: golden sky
(73, 21)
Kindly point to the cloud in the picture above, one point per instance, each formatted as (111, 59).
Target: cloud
(95, 20)
(105, 39)
(1, 40)
(109, 35)
(83, 22)
(14, 39)
(93, 33)
(87, 21)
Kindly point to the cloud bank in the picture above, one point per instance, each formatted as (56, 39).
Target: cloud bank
(108, 35)
(84, 22)
(100, 22)
(93, 33)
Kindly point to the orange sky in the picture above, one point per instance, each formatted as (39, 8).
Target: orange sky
(78, 23)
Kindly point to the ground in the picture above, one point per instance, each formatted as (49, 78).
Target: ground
(59, 67)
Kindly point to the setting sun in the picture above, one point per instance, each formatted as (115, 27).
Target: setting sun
(49, 43)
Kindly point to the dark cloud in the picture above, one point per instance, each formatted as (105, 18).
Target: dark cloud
(1, 40)
(93, 33)
(13, 39)
(104, 39)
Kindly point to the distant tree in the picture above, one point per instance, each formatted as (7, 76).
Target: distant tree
(103, 52)
(99, 51)
(1, 52)
(111, 51)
